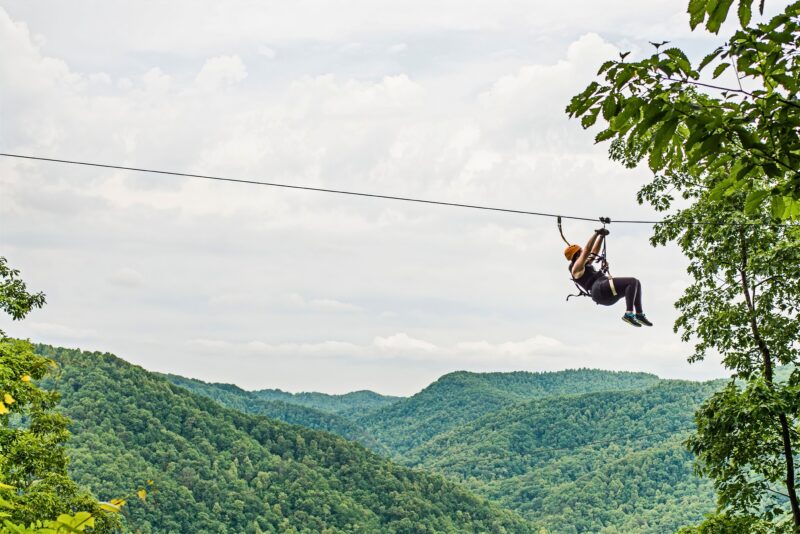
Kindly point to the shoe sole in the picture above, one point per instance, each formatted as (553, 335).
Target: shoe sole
(632, 323)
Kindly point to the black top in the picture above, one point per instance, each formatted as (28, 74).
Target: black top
(588, 278)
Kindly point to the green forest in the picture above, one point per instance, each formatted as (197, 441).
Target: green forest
(563, 452)
(531, 450)
(532, 442)
(217, 469)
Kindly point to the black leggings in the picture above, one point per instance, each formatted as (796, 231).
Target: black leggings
(630, 288)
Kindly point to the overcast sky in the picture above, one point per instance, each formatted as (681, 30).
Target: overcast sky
(455, 101)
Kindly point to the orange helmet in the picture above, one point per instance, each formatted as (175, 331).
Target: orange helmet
(570, 251)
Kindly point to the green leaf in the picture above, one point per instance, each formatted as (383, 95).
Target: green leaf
(719, 189)
(605, 135)
(610, 108)
(679, 57)
(697, 12)
(605, 66)
(718, 15)
(660, 140)
(720, 69)
(623, 120)
(791, 208)
(590, 118)
(778, 207)
(75, 523)
(754, 200)
(711, 144)
(745, 12)
(709, 58)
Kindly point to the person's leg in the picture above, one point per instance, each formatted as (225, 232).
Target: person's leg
(637, 299)
(633, 299)
(630, 288)
(640, 316)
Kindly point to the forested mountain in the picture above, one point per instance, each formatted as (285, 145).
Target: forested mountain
(571, 452)
(597, 462)
(610, 460)
(355, 404)
(289, 411)
(462, 396)
(221, 470)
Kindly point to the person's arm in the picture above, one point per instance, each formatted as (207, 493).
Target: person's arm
(598, 244)
(580, 263)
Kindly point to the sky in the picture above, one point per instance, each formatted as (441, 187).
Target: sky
(271, 288)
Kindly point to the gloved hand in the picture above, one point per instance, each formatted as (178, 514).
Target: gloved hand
(601, 231)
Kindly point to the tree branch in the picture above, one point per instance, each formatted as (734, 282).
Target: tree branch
(730, 90)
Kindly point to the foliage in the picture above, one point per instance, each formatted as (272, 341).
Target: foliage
(64, 524)
(614, 456)
(739, 445)
(354, 404)
(742, 141)
(729, 524)
(15, 299)
(219, 470)
(33, 462)
(460, 397)
(733, 159)
(715, 12)
(295, 409)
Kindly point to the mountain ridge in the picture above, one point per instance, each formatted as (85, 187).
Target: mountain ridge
(221, 470)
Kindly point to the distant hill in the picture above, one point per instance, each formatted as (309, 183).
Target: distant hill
(220, 470)
(584, 463)
(460, 397)
(256, 403)
(352, 405)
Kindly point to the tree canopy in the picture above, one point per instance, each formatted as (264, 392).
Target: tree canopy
(34, 482)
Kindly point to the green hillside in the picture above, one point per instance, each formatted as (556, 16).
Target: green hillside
(460, 397)
(220, 470)
(614, 456)
(355, 404)
(235, 397)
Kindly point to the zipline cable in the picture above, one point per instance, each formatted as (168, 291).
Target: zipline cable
(307, 188)
(359, 194)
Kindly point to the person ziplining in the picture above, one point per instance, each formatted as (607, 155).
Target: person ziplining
(599, 284)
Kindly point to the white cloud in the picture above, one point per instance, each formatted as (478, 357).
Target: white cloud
(60, 332)
(401, 347)
(127, 277)
(155, 81)
(221, 71)
(402, 342)
(267, 52)
(321, 304)
(232, 349)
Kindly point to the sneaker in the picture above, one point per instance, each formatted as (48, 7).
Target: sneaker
(642, 319)
(631, 319)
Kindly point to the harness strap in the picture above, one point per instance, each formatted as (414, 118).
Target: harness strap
(561, 231)
(581, 292)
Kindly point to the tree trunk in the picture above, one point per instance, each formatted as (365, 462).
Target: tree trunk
(786, 437)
